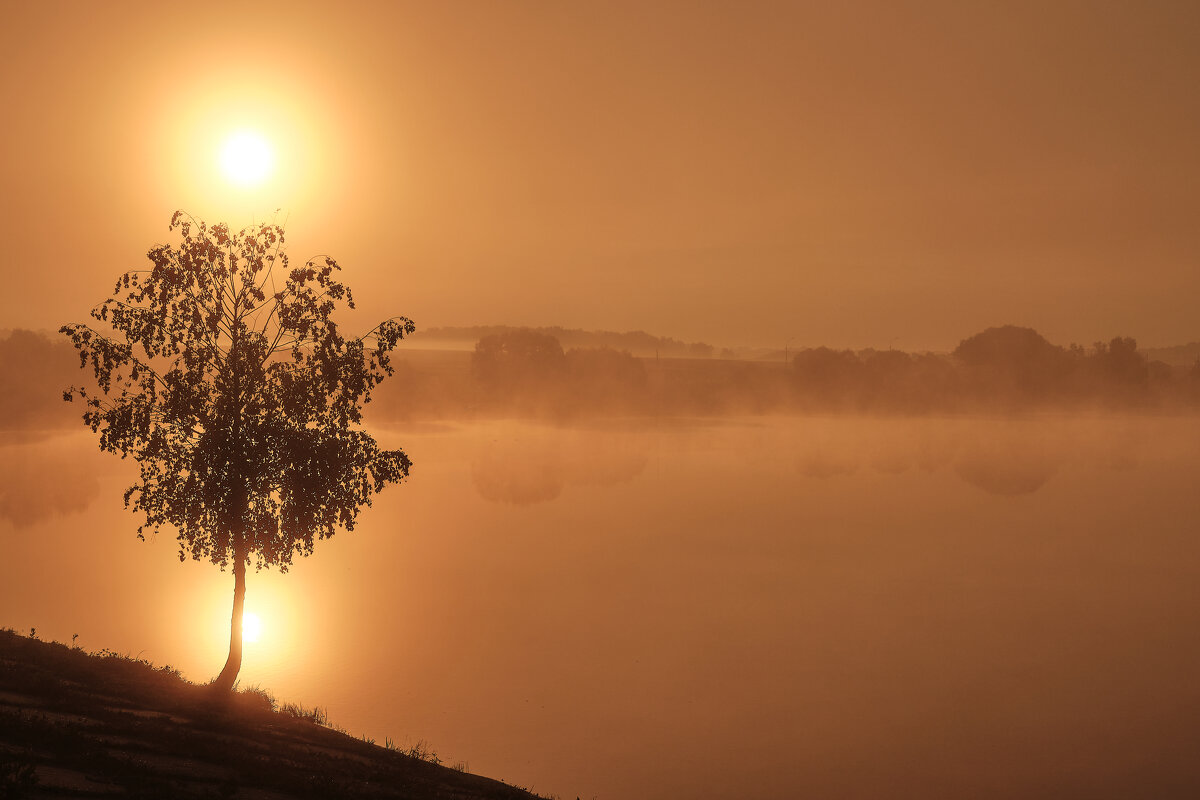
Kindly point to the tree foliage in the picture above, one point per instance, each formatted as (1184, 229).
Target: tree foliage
(230, 384)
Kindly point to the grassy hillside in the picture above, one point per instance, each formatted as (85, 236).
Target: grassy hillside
(75, 724)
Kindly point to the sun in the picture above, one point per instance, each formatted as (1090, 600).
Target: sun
(251, 628)
(246, 158)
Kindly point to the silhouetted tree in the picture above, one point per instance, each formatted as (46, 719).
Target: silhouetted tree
(600, 378)
(521, 351)
(520, 367)
(228, 381)
(1121, 363)
(1008, 346)
(829, 378)
(1013, 364)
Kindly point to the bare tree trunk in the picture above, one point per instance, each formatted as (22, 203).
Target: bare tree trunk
(224, 681)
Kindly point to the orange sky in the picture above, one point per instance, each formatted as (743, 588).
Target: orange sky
(742, 173)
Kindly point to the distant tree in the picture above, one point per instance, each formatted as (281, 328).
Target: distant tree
(1008, 346)
(604, 379)
(1160, 374)
(519, 365)
(519, 349)
(828, 377)
(230, 384)
(885, 377)
(1011, 363)
(1121, 363)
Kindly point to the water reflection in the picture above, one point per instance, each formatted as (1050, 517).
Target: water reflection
(535, 466)
(44, 476)
(824, 464)
(849, 608)
(1008, 470)
(1003, 458)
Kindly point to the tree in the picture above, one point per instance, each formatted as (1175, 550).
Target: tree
(520, 368)
(1014, 364)
(230, 384)
(516, 355)
(1009, 347)
(1121, 364)
(828, 377)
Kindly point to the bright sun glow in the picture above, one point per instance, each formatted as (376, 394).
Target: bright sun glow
(246, 158)
(251, 627)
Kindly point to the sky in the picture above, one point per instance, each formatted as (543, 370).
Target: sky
(853, 174)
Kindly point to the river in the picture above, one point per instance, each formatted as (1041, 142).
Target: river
(772, 607)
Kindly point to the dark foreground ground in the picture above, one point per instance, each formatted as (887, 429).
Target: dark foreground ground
(73, 724)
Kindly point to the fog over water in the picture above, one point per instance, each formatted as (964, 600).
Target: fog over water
(763, 607)
(803, 398)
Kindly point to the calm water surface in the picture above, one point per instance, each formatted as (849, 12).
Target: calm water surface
(755, 608)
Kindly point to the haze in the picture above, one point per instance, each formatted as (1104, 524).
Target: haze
(713, 610)
(803, 400)
(850, 174)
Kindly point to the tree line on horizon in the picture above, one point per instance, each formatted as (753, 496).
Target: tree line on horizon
(639, 343)
(1000, 368)
(527, 372)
